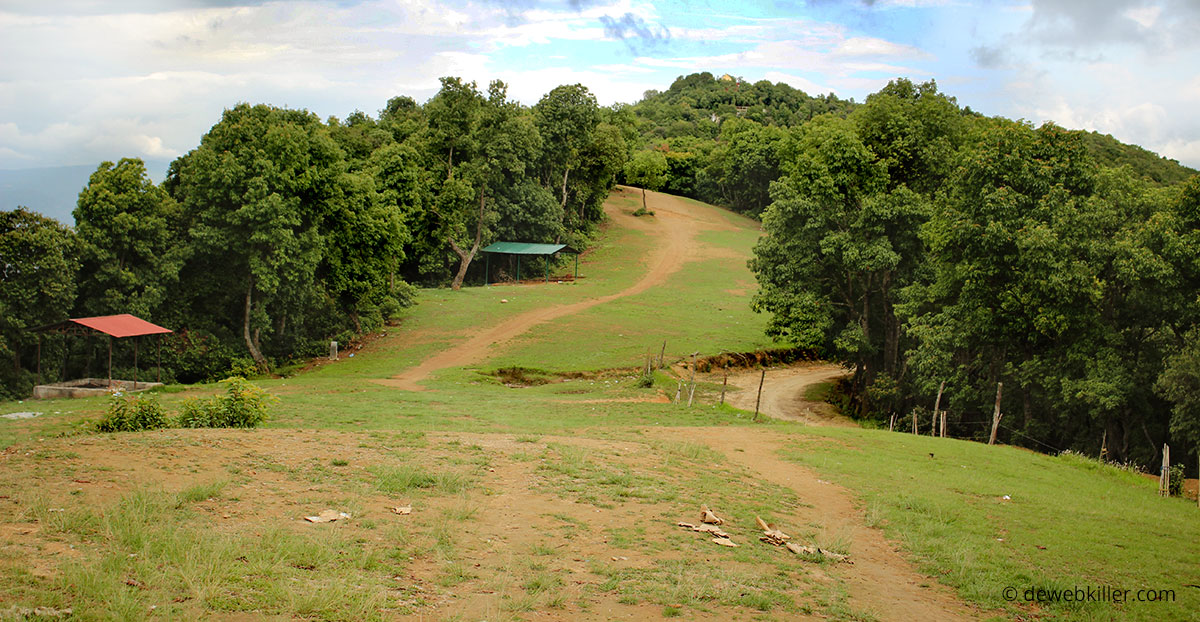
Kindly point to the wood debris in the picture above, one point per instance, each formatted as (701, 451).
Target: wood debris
(817, 552)
(713, 529)
(328, 516)
(707, 516)
(771, 535)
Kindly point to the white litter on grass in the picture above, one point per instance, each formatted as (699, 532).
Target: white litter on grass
(328, 516)
(21, 415)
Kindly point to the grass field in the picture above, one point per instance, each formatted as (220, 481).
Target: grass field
(560, 500)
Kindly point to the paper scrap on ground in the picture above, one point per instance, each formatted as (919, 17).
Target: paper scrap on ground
(328, 516)
(21, 415)
(404, 510)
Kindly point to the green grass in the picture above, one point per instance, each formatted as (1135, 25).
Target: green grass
(818, 392)
(1069, 521)
(396, 480)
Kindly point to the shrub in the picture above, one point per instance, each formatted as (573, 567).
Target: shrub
(244, 405)
(130, 414)
(1175, 481)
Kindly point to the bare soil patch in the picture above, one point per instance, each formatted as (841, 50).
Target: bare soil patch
(783, 393)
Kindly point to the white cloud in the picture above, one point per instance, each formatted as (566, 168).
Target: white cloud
(870, 46)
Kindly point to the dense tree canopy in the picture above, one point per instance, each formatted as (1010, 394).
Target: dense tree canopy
(916, 242)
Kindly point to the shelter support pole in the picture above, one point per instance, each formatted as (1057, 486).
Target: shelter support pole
(135, 365)
(577, 271)
(158, 363)
(518, 269)
(110, 362)
(548, 268)
(39, 359)
(487, 269)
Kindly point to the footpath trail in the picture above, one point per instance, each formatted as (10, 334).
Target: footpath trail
(783, 393)
(675, 224)
(880, 582)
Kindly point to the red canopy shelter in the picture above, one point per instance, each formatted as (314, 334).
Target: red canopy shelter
(118, 326)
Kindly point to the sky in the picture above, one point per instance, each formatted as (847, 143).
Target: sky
(83, 81)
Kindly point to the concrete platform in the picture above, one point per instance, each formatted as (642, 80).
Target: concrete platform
(89, 387)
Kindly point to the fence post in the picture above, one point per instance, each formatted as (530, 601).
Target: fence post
(758, 399)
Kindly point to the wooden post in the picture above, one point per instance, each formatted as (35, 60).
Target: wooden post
(1164, 480)
(937, 405)
(678, 390)
(892, 423)
(996, 415)
(661, 354)
(692, 380)
(914, 420)
(758, 399)
(1104, 447)
(39, 359)
(943, 428)
(724, 385)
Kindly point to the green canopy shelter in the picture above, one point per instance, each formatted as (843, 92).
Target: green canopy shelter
(525, 248)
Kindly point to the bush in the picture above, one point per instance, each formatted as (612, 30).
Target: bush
(1175, 481)
(130, 414)
(244, 405)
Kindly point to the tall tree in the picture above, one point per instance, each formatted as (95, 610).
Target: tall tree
(566, 118)
(839, 246)
(37, 286)
(129, 241)
(255, 193)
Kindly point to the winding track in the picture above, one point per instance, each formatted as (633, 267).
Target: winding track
(675, 224)
(881, 581)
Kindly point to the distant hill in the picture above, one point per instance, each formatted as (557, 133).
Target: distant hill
(1109, 151)
(695, 104)
(53, 191)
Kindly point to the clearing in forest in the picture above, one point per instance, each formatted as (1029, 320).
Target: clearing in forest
(497, 461)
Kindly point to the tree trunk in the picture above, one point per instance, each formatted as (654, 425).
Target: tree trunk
(467, 256)
(644, 200)
(251, 343)
(564, 188)
(450, 164)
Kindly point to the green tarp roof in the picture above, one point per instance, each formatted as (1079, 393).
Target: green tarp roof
(526, 248)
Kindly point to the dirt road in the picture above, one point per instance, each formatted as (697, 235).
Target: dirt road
(880, 581)
(675, 223)
(783, 393)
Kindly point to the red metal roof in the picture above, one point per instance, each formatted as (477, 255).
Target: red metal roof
(123, 325)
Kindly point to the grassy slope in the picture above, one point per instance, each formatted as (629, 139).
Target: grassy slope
(1097, 526)
(1069, 521)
